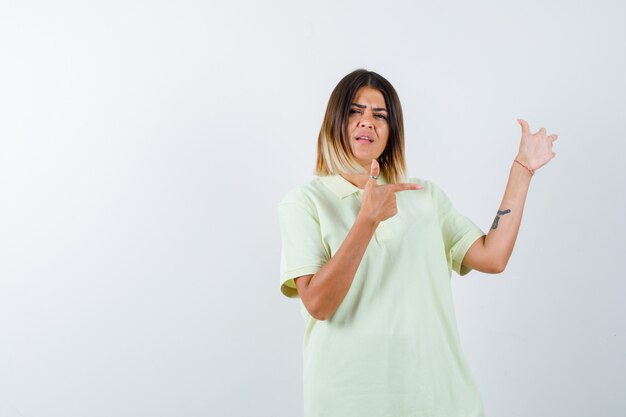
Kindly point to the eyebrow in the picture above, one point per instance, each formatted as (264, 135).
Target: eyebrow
(363, 106)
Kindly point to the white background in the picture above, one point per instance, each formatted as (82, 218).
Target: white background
(144, 146)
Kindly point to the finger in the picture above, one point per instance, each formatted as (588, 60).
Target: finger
(525, 127)
(553, 137)
(542, 131)
(374, 171)
(404, 187)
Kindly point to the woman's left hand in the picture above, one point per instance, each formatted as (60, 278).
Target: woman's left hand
(535, 149)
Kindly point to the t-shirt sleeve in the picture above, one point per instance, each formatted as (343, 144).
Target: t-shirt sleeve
(303, 251)
(458, 232)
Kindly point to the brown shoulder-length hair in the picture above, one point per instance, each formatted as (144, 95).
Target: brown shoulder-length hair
(334, 154)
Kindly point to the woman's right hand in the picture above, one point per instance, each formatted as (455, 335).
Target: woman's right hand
(379, 201)
(323, 292)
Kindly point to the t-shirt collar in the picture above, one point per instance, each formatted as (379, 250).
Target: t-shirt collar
(341, 187)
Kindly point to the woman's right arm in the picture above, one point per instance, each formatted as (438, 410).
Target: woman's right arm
(323, 292)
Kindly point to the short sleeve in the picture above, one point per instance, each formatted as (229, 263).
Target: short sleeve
(303, 251)
(458, 232)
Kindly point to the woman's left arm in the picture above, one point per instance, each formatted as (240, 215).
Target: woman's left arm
(491, 253)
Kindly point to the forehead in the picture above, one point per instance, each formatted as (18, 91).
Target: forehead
(369, 96)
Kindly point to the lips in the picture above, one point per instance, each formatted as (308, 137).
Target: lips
(364, 138)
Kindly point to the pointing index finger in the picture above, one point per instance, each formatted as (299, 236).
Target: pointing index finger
(405, 186)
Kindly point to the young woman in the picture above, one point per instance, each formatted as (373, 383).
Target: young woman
(370, 253)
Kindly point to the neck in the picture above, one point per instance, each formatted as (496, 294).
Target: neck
(358, 180)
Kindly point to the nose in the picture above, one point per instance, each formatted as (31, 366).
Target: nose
(366, 121)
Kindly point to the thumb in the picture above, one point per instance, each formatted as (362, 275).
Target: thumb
(525, 128)
(374, 172)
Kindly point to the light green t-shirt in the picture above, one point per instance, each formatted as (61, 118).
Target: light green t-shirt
(392, 348)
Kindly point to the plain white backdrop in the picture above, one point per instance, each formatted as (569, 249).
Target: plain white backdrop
(144, 146)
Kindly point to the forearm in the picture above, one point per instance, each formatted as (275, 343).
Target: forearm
(502, 235)
(329, 286)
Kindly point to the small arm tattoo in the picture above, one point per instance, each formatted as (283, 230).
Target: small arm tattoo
(494, 226)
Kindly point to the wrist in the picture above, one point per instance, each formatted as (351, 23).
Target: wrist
(523, 163)
(366, 221)
(523, 158)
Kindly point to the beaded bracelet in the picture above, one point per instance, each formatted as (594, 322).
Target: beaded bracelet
(532, 172)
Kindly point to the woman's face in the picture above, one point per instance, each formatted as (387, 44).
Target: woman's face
(368, 129)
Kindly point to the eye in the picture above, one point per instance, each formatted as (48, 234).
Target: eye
(380, 116)
(352, 111)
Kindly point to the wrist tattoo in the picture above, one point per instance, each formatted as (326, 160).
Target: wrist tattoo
(494, 226)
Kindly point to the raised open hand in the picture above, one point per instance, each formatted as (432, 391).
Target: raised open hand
(379, 201)
(535, 149)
